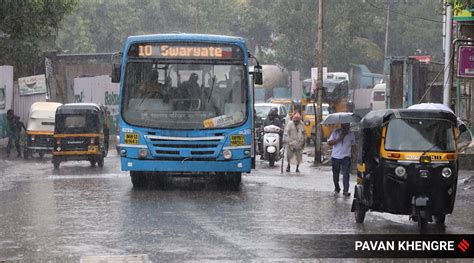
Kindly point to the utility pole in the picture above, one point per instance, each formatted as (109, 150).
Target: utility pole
(198, 22)
(447, 56)
(319, 87)
(387, 21)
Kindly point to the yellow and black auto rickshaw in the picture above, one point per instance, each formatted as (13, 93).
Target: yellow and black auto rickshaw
(80, 133)
(407, 165)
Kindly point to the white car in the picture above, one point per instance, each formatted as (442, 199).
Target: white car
(263, 109)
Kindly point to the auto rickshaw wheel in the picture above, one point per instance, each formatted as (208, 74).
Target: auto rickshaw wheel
(41, 155)
(100, 162)
(92, 163)
(138, 179)
(359, 211)
(440, 220)
(26, 154)
(56, 164)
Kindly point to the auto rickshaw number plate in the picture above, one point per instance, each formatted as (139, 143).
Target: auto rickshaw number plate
(237, 140)
(93, 148)
(130, 138)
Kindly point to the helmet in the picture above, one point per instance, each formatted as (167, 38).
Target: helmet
(273, 112)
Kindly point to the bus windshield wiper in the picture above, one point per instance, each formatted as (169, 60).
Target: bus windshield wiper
(212, 88)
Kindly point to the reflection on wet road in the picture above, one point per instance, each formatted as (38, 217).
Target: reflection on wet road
(79, 212)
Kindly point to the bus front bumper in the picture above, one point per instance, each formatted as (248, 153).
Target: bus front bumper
(129, 164)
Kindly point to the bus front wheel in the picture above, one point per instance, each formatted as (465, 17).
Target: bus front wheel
(231, 180)
(138, 179)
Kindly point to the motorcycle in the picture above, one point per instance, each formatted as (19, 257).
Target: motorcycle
(271, 144)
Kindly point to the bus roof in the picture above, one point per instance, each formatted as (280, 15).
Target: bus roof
(186, 37)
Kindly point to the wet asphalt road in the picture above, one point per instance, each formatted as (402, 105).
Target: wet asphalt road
(81, 213)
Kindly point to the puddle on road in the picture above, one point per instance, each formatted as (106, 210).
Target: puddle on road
(115, 259)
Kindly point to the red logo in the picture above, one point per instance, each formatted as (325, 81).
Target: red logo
(463, 245)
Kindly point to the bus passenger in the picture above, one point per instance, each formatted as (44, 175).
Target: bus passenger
(190, 89)
(189, 94)
(153, 89)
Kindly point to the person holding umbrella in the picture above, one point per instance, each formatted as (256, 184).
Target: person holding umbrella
(342, 140)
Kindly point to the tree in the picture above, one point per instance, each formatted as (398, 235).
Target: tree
(27, 29)
(283, 31)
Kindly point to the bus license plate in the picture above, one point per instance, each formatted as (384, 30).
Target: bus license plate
(237, 140)
(130, 138)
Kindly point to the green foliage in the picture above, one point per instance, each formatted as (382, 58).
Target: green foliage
(354, 32)
(279, 31)
(27, 28)
(408, 35)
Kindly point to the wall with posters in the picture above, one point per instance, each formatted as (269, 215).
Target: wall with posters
(22, 103)
(6, 99)
(32, 85)
(100, 90)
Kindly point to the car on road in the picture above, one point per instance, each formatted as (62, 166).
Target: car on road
(262, 110)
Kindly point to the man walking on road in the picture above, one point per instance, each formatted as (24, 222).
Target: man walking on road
(14, 132)
(294, 138)
(342, 141)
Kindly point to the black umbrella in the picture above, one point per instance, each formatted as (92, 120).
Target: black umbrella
(341, 117)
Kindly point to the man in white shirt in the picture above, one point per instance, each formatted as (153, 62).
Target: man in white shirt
(342, 141)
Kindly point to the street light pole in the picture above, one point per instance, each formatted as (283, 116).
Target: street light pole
(319, 87)
(198, 22)
(387, 21)
(447, 56)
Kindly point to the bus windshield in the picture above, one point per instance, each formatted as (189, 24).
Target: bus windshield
(184, 96)
(420, 135)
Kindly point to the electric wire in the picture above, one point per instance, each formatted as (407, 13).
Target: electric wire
(402, 14)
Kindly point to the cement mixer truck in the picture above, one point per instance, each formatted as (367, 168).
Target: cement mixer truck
(275, 84)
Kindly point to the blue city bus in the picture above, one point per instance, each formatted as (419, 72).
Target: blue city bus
(186, 106)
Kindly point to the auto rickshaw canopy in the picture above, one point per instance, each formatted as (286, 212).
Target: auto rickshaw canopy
(80, 118)
(42, 116)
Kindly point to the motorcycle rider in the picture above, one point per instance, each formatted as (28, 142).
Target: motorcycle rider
(272, 119)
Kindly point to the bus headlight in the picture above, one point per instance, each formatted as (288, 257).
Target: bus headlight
(227, 154)
(446, 172)
(123, 152)
(143, 153)
(306, 122)
(400, 171)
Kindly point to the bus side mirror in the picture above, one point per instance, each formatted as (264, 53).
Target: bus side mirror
(257, 75)
(116, 67)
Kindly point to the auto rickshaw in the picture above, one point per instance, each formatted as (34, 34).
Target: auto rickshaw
(407, 165)
(309, 120)
(81, 133)
(40, 129)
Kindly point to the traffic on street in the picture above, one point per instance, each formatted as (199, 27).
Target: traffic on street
(79, 212)
(250, 130)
